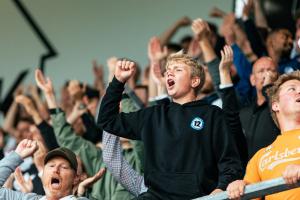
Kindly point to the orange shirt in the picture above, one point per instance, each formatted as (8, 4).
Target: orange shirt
(270, 162)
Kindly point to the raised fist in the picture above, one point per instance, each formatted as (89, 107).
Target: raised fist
(124, 70)
(26, 148)
(200, 28)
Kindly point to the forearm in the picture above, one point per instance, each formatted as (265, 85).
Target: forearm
(254, 38)
(41, 107)
(260, 18)
(213, 68)
(63, 131)
(152, 88)
(207, 49)
(168, 34)
(231, 110)
(227, 156)
(124, 125)
(36, 118)
(9, 121)
(93, 133)
(66, 137)
(48, 135)
(225, 78)
(51, 101)
(8, 165)
(118, 166)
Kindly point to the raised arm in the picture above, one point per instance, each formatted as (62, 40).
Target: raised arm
(260, 18)
(45, 129)
(231, 105)
(119, 167)
(156, 55)
(98, 77)
(225, 64)
(8, 124)
(64, 133)
(45, 84)
(253, 35)
(8, 165)
(27, 103)
(41, 107)
(201, 33)
(168, 34)
(124, 124)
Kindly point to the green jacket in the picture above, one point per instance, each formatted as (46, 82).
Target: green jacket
(106, 188)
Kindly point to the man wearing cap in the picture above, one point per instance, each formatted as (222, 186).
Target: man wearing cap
(59, 173)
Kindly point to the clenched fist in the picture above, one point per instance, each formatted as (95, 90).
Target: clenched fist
(124, 70)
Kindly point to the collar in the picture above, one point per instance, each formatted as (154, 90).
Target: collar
(70, 197)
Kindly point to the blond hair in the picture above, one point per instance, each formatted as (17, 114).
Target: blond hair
(196, 67)
(273, 92)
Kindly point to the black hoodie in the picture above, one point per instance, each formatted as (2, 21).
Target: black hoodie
(188, 149)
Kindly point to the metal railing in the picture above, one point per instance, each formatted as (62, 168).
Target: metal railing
(256, 190)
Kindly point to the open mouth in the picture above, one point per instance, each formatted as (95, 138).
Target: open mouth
(55, 182)
(298, 100)
(170, 82)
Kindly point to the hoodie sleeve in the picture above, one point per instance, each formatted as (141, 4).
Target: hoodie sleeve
(227, 157)
(128, 125)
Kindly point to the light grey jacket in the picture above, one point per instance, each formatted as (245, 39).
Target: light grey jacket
(7, 166)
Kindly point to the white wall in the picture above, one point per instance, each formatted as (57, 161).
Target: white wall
(82, 30)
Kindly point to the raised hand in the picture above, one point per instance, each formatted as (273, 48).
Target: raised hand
(97, 70)
(26, 148)
(20, 90)
(33, 91)
(112, 63)
(269, 77)
(184, 21)
(124, 70)
(225, 64)
(75, 90)
(42, 83)
(248, 8)
(217, 12)
(89, 182)
(77, 111)
(194, 48)
(227, 58)
(27, 103)
(155, 52)
(26, 186)
(201, 29)
(39, 155)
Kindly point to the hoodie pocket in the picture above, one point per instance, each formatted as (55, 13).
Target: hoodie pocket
(178, 184)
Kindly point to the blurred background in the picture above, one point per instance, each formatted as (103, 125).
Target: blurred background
(81, 31)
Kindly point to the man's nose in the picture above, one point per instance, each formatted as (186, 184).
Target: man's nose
(169, 73)
(56, 169)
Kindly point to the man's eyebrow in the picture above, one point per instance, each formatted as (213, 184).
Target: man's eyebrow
(289, 85)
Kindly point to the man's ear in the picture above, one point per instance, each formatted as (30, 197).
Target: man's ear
(275, 106)
(195, 81)
(252, 80)
(76, 179)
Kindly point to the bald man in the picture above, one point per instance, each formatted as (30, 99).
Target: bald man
(257, 124)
